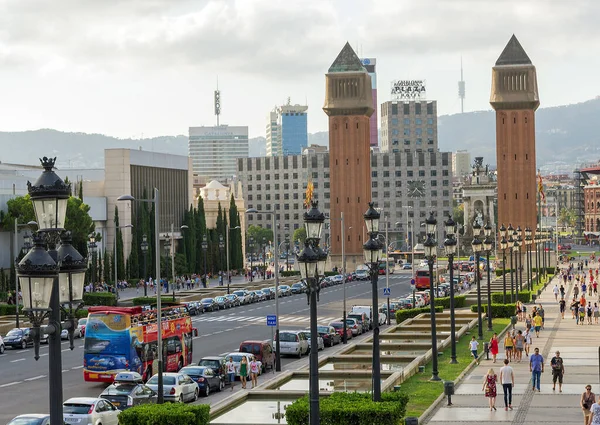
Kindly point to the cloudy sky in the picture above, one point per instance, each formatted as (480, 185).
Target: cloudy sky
(129, 68)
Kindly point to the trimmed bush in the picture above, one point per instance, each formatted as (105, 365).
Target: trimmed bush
(166, 414)
(523, 296)
(342, 408)
(459, 301)
(99, 298)
(402, 315)
(500, 272)
(9, 309)
(290, 273)
(498, 310)
(329, 273)
(165, 300)
(3, 296)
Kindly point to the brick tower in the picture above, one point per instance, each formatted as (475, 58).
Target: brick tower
(349, 105)
(515, 98)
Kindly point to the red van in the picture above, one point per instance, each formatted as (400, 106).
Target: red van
(262, 350)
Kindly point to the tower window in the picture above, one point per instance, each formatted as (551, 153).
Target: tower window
(515, 120)
(346, 126)
(515, 157)
(525, 120)
(526, 157)
(527, 195)
(505, 196)
(348, 200)
(516, 196)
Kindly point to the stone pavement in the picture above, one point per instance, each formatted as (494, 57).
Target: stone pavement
(579, 347)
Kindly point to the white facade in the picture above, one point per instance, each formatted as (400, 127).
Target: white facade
(274, 143)
(214, 151)
(461, 163)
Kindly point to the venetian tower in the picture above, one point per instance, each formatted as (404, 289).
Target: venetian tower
(515, 98)
(349, 105)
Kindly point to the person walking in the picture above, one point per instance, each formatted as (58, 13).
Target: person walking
(537, 323)
(558, 371)
(536, 367)
(519, 345)
(541, 313)
(494, 346)
(489, 387)
(244, 371)
(595, 414)
(254, 372)
(581, 314)
(588, 311)
(596, 313)
(562, 291)
(562, 304)
(230, 368)
(588, 399)
(508, 346)
(507, 378)
(575, 309)
(555, 290)
(527, 341)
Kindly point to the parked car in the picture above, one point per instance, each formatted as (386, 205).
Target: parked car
(237, 358)
(353, 325)
(209, 304)
(329, 335)
(362, 274)
(298, 288)
(81, 325)
(293, 343)
(64, 334)
(320, 342)
(362, 319)
(285, 290)
(222, 302)
(244, 299)
(192, 308)
(177, 387)
(205, 378)
(337, 279)
(31, 419)
(260, 295)
(90, 411)
(262, 351)
(128, 390)
(269, 293)
(21, 338)
(217, 364)
(251, 295)
(339, 328)
(408, 302)
(407, 266)
(2, 346)
(367, 310)
(234, 300)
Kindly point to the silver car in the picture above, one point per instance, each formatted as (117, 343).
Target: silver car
(320, 342)
(64, 334)
(90, 411)
(177, 387)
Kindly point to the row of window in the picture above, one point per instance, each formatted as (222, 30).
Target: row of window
(418, 121)
(418, 142)
(406, 108)
(418, 131)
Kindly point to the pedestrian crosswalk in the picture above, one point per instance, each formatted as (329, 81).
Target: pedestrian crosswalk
(282, 319)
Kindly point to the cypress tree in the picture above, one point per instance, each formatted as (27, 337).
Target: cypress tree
(120, 260)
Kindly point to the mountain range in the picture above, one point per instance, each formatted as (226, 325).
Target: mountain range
(566, 136)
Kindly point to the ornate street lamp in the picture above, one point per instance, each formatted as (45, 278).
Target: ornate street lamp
(312, 269)
(511, 243)
(450, 246)
(93, 247)
(144, 248)
(372, 253)
(528, 242)
(503, 246)
(430, 246)
(487, 246)
(205, 249)
(251, 246)
(477, 246)
(221, 248)
(520, 258)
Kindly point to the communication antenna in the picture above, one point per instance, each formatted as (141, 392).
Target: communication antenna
(217, 102)
(461, 89)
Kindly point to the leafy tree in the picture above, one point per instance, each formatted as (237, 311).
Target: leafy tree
(299, 235)
(259, 233)
(458, 213)
(567, 217)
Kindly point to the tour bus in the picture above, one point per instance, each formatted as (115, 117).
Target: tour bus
(422, 278)
(387, 262)
(119, 339)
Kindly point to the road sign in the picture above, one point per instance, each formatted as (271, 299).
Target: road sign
(412, 282)
(387, 292)
(271, 320)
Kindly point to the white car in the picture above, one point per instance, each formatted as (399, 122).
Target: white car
(337, 279)
(90, 411)
(64, 334)
(237, 359)
(293, 343)
(177, 387)
(1, 345)
(320, 342)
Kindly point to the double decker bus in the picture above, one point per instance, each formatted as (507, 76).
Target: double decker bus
(387, 263)
(119, 339)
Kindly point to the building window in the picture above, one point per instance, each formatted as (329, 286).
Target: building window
(430, 131)
(394, 109)
(434, 183)
(433, 173)
(444, 172)
(258, 177)
(315, 175)
(406, 132)
(268, 177)
(421, 173)
(419, 142)
(417, 108)
(409, 173)
(268, 197)
(407, 142)
(398, 183)
(406, 121)
(445, 182)
(386, 173)
(386, 183)
(249, 197)
(429, 121)
(373, 173)
(295, 175)
(276, 186)
(295, 186)
(249, 177)
(418, 121)
(286, 196)
(249, 187)
(445, 193)
(406, 109)
(429, 108)
(373, 184)
(276, 176)
(398, 173)
(286, 206)
(267, 187)
(295, 194)
(434, 193)
(394, 121)
(286, 175)
(418, 131)
(375, 195)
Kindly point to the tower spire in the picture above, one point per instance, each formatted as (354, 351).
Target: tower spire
(513, 54)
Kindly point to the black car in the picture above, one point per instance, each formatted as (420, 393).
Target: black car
(216, 363)
(223, 302)
(192, 308)
(269, 293)
(21, 338)
(329, 335)
(128, 390)
(209, 304)
(205, 377)
(234, 301)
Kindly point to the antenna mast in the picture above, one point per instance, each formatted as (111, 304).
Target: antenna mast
(461, 89)
(217, 102)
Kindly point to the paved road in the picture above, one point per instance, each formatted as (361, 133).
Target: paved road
(24, 382)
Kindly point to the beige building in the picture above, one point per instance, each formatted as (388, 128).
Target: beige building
(461, 163)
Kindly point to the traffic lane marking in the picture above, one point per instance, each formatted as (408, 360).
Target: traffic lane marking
(35, 377)
(10, 383)
(17, 360)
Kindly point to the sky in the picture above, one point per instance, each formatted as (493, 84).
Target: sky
(145, 68)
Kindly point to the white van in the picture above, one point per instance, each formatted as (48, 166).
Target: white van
(293, 343)
(369, 312)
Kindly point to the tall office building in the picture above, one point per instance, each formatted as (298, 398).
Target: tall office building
(514, 97)
(461, 163)
(287, 130)
(214, 151)
(409, 126)
(369, 64)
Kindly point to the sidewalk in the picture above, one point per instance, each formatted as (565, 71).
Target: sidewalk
(578, 346)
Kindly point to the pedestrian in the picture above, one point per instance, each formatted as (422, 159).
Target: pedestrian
(230, 367)
(508, 346)
(575, 309)
(537, 323)
(507, 378)
(576, 290)
(536, 367)
(494, 346)
(558, 371)
(589, 313)
(541, 313)
(254, 372)
(595, 414)
(243, 371)
(528, 322)
(519, 345)
(527, 341)
(596, 313)
(562, 291)
(581, 314)
(588, 399)
(562, 304)
(555, 291)
(489, 387)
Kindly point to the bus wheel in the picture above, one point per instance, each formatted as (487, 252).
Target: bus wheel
(180, 364)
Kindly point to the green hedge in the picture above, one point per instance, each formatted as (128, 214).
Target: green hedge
(290, 273)
(331, 273)
(99, 298)
(165, 300)
(459, 301)
(9, 309)
(549, 270)
(498, 310)
(166, 414)
(523, 296)
(3, 296)
(402, 315)
(500, 272)
(342, 408)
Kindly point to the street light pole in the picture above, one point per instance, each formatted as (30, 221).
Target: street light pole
(144, 247)
(503, 245)
(476, 245)
(115, 260)
(450, 245)
(343, 234)
(511, 243)
(16, 254)
(528, 257)
(487, 246)
(430, 246)
(205, 248)
(387, 269)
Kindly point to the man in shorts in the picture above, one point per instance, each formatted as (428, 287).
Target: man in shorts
(537, 323)
(558, 370)
(562, 305)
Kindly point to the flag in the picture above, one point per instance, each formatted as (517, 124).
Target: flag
(309, 194)
(541, 189)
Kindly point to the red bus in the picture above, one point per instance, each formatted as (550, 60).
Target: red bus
(121, 339)
(422, 279)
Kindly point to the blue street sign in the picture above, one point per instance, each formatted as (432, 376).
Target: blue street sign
(271, 320)
(387, 292)
(412, 282)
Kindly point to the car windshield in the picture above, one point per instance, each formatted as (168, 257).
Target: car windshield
(192, 371)
(82, 321)
(229, 297)
(26, 420)
(220, 299)
(119, 389)
(76, 408)
(239, 293)
(167, 380)
(287, 337)
(295, 285)
(236, 358)
(355, 316)
(207, 300)
(209, 363)
(250, 348)
(14, 332)
(322, 329)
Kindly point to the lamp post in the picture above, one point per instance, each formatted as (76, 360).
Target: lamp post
(477, 246)
(182, 228)
(264, 244)
(430, 246)
(51, 278)
(511, 243)
(503, 245)
(276, 266)
(155, 201)
(229, 229)
(312, 268)
(144, 248)
(115, 262)
(520, 259)
(372, 252)
(528, 242)
(487, 246)
(287, 252)
(450, 246)
(205, 249)
(343, 234)
(93, 248)
(251, 246)
(221, 248)
(16, 254)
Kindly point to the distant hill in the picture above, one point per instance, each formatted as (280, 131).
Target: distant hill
(565, 136)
